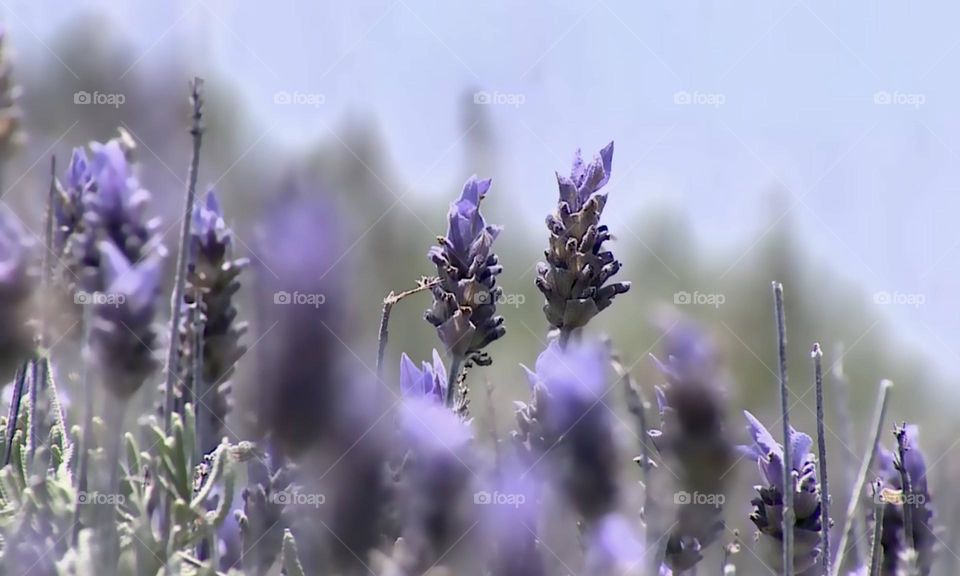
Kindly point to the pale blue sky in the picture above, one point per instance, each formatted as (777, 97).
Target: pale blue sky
(872, 186)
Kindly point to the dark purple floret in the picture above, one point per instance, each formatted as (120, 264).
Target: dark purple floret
(429, 381)
(574, 277)
(465, 298)
(570, 420)
(768, 506)
(694, 439)
(122, 332)
(894, 541)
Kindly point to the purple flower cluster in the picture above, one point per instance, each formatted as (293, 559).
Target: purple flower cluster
(694, 439)
(768, 505)
(465, 298)
(574, 277)
(211, 283)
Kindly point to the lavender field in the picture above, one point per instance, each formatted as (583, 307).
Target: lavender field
(406, 288)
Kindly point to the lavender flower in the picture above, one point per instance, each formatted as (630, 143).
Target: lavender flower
(429, 381)
(577, 268)
(437, 484)
(301, 303)
(122, 334)
(574, 426)
(465, 299)
(768, 506)
(613, 548)
(102, 201)
(514, 524)
(694, 439)
(17, 278)
(894, 539)
(212, 279)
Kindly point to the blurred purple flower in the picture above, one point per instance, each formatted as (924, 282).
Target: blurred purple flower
(575, 425)
(894, 531)
(437, 491)
(429, 381)
(613, 548)
(465, 299)
(18, 275)
(768, 506)
(122, 332)
(301, 302)
(577, 268)
(693, 438)
(102, 201)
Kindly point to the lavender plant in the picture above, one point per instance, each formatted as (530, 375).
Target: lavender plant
(574, 277)
(429, 381)
(694, 439)
(768, 505)
(465, 297)
(212, 282)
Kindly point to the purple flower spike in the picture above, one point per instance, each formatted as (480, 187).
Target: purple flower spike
(568, 419)
(768, 506)
(213, 278)
(465, 300)
(437, 484)
(122, 334)
(574, 278)
(102, 199)
(300, 294)
(894, 541)
(429, 382)
(693, 439)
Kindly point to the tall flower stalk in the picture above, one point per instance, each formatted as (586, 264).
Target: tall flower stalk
(180, 280)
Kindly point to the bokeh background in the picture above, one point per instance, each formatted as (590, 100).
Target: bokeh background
(814, 143)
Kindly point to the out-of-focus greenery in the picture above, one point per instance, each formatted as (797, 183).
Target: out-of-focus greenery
(389, 239)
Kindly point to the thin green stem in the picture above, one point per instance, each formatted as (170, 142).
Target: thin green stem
(789, 513)
(822, 461)
(865, 464)
(877, 551)
(173, 351)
